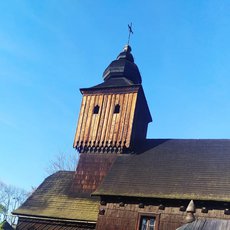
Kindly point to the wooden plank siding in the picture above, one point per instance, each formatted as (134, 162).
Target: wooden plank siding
(130, 120)
(49, 224)
(105, 130)
(105, 121)
(84, 119)
(118, 121)
(127, 216)
(80, 120)
(90, 118)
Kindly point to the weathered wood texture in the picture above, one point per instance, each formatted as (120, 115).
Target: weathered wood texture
(127, 217)
(91, 170)
(105, 129)
(43, 224)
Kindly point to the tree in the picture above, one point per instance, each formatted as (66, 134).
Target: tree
(2, 209)
(11, 197)
(67, 162)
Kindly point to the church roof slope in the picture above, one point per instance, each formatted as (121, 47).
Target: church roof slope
(206, 224)
(54, 199)
(172, 168)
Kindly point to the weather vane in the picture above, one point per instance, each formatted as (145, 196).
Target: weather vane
(130, 31)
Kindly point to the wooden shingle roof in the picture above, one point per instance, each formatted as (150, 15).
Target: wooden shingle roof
(172, 168)
(54, 199)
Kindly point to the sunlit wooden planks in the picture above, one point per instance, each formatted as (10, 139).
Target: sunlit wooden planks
(113, 120)
(118, 121)
(130, 120)
(90, 119)
(105, 120)
(106, 128)
(101, 125)
(79, 120)
(95, 127)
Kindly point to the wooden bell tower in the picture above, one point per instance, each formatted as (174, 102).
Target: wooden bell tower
(114, 115)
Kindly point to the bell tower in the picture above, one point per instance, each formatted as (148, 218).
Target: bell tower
(113, 120)
(114, 115)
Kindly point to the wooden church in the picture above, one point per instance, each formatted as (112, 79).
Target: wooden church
(123, 180)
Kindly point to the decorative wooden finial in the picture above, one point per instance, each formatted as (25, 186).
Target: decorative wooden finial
(130, 31)
(190, 212)
(191, 207)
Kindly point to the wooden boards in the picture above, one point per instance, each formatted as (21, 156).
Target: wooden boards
(105, 129)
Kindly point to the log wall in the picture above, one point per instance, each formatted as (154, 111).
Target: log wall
(127, 217)
(25, 223)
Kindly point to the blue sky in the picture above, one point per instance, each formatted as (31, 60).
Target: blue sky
(49, 49)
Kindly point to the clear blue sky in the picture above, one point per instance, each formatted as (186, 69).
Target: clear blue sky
(49, 49)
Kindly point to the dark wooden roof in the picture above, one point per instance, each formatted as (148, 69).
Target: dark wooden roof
(114, 82)
(120, 72)
(55, 199)
(172, 168)
(207, 224)
(123, 66)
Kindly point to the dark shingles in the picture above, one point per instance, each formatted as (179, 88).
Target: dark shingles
(114, 82)
(185, 169)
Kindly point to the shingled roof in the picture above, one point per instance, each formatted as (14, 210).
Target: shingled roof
(172, 168)
(54, 199)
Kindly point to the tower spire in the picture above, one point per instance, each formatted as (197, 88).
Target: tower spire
(114, 115)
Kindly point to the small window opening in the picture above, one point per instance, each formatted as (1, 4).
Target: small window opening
(147, 223)
(117, 108)
(96, 109)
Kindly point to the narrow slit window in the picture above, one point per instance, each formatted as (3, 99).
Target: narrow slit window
(117, 108)
(96, 109)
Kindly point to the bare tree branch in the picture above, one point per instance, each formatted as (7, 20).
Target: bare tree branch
(11, 197)
(67, 162)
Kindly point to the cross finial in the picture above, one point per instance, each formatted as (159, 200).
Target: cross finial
(130, 31)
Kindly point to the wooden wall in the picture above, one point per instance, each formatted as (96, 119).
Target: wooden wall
(29, 223)
(126, 218)
(105, 129)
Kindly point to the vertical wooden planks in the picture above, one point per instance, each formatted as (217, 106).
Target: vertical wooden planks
(110, 117)
(89, 119)
(97, 119)
(77, 135)
(130, 123)
(102, 120)
(105, 124)
(118, 120)
(122, 117)
(126, 121)
(92, 119)
(84, 119)
(113, 118)
(106, 128)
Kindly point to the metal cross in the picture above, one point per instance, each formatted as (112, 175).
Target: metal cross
(130, 31)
